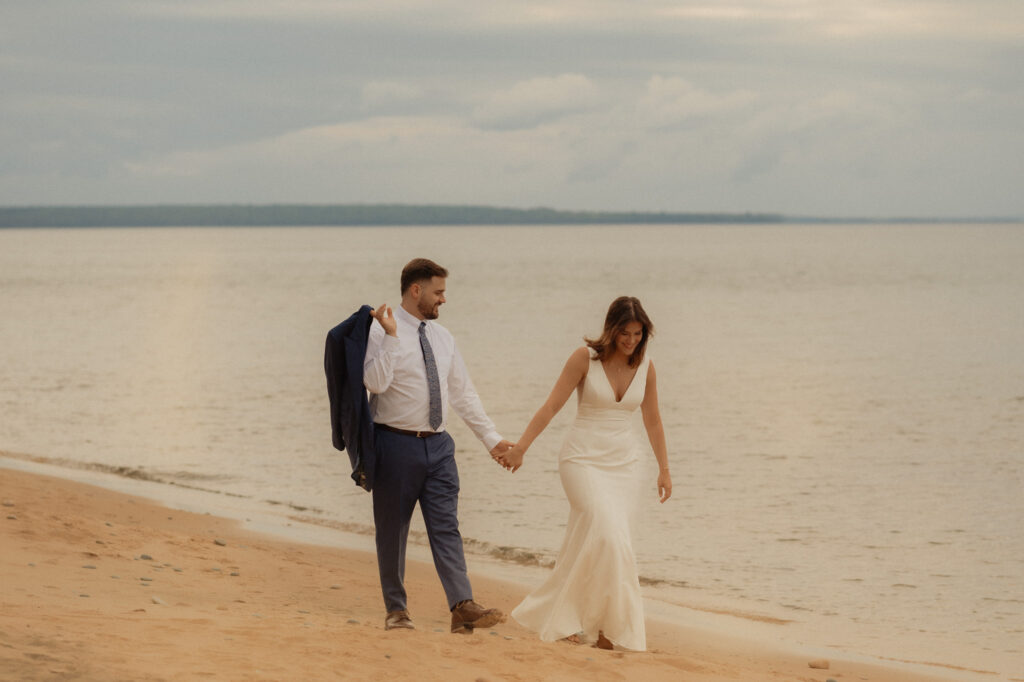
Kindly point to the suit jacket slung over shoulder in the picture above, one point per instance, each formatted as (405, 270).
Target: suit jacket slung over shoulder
(351, 423)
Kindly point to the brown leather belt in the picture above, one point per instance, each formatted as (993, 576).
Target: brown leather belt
(406, 432)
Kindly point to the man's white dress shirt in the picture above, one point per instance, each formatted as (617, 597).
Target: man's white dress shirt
(394, 373)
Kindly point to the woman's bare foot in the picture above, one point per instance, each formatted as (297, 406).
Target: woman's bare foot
(573, 639)
(603, 642)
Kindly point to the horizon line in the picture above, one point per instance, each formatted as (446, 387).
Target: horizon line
(296, 214)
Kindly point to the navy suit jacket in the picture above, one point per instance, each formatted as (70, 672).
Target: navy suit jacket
(351, 423)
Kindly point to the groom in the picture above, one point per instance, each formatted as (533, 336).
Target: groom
(413, 371)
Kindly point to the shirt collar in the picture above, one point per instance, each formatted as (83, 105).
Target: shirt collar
(406, 316)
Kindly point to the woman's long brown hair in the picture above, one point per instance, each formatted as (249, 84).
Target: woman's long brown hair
(622, 311)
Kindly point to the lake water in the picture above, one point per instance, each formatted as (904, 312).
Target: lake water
(844, 404)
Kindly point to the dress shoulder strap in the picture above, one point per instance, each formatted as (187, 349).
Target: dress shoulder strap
(640, 378)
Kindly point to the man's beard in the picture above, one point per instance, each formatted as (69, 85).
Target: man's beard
(428, 312)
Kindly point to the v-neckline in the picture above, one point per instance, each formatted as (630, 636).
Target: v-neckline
(612, 386)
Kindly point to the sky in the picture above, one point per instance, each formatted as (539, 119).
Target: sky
(841, 108)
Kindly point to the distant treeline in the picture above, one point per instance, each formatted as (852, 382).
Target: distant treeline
(341, 214)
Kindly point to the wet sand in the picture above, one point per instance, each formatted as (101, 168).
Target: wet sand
(98, 585)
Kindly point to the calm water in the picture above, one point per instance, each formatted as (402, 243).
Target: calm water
(844, 405)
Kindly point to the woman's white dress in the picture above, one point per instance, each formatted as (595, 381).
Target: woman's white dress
(594, 584)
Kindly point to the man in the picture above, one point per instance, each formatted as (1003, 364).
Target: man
(413, 372)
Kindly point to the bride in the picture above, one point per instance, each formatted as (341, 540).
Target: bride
(593, 591)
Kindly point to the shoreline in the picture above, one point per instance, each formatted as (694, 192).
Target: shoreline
(223, 599)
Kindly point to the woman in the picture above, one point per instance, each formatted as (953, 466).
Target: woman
(594, 590)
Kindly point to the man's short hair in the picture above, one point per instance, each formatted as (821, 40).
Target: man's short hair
(418, 270)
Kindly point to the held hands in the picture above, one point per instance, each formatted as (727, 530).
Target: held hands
(512, 458)
(500, 449)
(664, 485)
(386, 316)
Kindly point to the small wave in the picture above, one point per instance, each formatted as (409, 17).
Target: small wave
(134, 473)
(513, 555)
(662, 582)
(746, 615)
(299, 508)
(193, 476)
(939, 665)
(354, 528)
(1003, 601)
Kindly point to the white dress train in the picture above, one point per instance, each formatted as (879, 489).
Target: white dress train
(594, 585)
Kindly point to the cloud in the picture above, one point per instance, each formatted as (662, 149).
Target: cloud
(533, 101)
(674, 101)
(385, 94)
(427, 159)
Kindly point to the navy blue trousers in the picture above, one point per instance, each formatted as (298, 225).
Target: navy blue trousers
(423, 470)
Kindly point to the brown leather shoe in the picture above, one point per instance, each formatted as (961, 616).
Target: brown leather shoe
(398, 620)
(468, 615)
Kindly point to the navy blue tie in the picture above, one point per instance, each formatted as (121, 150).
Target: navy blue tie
(433, 382)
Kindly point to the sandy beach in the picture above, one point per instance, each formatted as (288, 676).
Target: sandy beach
(98, 585)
